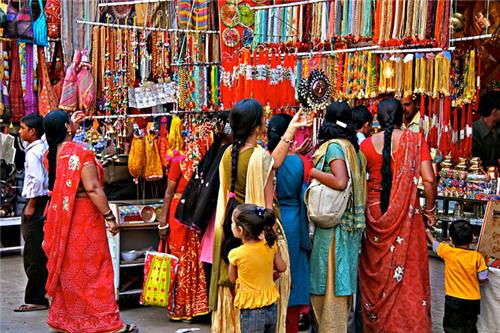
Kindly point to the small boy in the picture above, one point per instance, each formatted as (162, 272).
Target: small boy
(464, 270)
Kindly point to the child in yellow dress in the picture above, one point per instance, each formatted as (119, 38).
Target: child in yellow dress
(251, 267)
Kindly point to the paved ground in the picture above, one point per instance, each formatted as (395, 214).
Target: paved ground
(150, 320)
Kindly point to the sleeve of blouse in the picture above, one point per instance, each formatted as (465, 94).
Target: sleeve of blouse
(334, 152)
(88, 157)
(425, 152)
(174, 173)
(233, 257)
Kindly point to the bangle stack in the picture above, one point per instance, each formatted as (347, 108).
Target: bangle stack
(430, 212)
(108, 216)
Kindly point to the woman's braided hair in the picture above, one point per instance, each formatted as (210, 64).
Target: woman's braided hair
(244, 118)
(390, 115)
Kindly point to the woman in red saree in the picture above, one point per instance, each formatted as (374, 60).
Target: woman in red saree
(393, 265)
(80, 284)
(183, 242)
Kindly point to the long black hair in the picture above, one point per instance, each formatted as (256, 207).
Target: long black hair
(254, 220)
(276, 128)
(338, 124)
(390, 115)
(54, 125)
(245, 117)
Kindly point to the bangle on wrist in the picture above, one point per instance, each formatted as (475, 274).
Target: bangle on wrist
(431, 209)
(286, 140)
(163, 227)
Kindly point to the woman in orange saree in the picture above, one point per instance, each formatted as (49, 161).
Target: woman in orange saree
(80, 284)
(393, 265)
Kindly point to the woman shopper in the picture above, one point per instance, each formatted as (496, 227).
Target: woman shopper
(183, 242)
(80, 283)
(246, 176)
(334, 256)
(291, 177)
(394, 269)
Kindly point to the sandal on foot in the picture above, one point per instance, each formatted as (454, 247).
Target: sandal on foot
(30, 307)
(129, 328)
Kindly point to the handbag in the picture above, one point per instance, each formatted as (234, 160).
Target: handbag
(30, 98)
(24, 24)
(47, 98)
(159, 277)
(56, 73)
(53, 16)
(10, 24)
(325, 205)
(116, 169)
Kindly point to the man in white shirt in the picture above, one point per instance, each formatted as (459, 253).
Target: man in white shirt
(35, 189)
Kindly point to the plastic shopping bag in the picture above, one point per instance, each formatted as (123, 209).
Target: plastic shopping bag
(159, 278)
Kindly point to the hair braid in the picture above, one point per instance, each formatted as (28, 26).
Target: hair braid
(390, 116)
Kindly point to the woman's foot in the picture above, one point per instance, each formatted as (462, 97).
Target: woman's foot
(30, 307)
(129, 328)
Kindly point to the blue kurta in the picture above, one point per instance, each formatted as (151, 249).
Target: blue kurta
(290, 192)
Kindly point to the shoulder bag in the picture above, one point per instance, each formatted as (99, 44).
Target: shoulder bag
(325, 205)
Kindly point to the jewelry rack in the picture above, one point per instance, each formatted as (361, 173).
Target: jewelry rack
(196, 64)
(293, 4)
(123, 26)
(462, 39)
(159, 114)
(130, 2)
(415, 50)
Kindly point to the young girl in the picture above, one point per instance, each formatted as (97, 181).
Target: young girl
(251, 267)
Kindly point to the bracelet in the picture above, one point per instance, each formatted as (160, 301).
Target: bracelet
(163, 227)
(286, 140)
(108, 214)
(430, 210)
(110, 218)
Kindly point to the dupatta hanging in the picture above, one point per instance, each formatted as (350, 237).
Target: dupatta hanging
(393, 265)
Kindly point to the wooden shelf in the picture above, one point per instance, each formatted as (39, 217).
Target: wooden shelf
(139, 225)
(131, 292)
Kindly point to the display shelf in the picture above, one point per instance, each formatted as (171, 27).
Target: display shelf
(9, 222)
(139, 236)
(131, 292)
(140, 225)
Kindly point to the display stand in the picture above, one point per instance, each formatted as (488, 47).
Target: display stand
(12, 221)
(136, 235)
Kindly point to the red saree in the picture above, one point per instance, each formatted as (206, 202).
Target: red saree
(183, 242)
(80, 282)
(393, 265)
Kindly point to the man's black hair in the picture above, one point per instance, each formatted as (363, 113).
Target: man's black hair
(360, 116)
(488, 102)
(34, 121)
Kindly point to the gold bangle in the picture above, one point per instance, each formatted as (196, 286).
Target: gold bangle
(286, 140)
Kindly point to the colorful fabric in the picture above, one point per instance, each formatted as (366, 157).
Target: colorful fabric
(393, 265)
(69, 94)
(30, 99)
(159, 277)
(47, 99)
(80, 277)
(184, 243)
(255, 287)
(193, 14)
(15, 89)
(461, 269)
(290, 193)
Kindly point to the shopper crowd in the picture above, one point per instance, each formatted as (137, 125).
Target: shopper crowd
(249, 250)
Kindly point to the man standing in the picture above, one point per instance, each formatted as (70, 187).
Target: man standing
(411, 119)
(486, 130)
(363, 120)
(35, 189)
